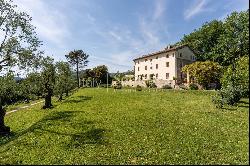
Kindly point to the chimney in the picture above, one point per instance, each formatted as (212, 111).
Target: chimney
(168, 47)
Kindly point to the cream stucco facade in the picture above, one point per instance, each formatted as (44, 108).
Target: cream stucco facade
(163, 65)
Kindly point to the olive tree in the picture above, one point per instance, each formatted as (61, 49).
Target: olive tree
(64, 81)
(18, 45)
(48, 80)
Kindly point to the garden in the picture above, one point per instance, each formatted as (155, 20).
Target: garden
(96, 126)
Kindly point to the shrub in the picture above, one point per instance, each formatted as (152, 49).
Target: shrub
(166, 87)
(150, 84)
(182, 86)
(193, 87)
(138, 88)
(118, 85)
(229, 96)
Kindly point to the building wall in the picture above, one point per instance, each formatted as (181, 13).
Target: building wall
(162, 69)
(184, 57)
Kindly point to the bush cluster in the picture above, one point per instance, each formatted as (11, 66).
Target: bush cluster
(229, 96)
(150, 84)
(138, 88)
(193, 87)
(166, 87)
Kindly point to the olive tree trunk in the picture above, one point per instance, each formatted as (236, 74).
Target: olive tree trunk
(48, 103)
(3, 129)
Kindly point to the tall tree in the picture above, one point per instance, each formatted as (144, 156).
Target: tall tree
(18, 43)
(234, 42)
(222, 42)
(100, 73)
(203, 40)
(78, 58)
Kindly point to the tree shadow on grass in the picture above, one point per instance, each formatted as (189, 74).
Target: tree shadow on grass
(77, 99)
(243, 104)
(51, 123)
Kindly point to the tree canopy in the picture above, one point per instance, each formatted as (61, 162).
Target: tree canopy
(19, 43)
(204, 72)
(221, 41)
(78, 58)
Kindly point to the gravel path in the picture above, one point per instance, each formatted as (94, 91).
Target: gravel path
(23, 107)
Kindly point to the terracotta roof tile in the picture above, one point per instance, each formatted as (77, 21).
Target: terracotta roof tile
(162, 51)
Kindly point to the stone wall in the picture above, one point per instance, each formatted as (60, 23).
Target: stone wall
(158, 83)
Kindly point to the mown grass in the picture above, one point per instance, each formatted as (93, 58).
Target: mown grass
(127, 127)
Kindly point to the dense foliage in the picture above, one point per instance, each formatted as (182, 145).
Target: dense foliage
(238, 74)
(235, 83)
(96, 76)
(221, 41)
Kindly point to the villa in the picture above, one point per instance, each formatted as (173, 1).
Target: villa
(164, 66)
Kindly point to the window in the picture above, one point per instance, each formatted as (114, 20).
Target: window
(138, 62)
(167, 75)
(146, 76)
(180, 54)
(146, 60)
(150, 60)
(173, 54)
(151, 67)
(156, 66)
(138, 68)
(157, 57)
(167, 56)
(146, 68)
(167, 64)
(151, 76)
(156, 75)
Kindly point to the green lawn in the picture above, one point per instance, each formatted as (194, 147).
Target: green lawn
(98, 127)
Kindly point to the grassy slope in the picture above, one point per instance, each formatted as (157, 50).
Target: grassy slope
(96, 127)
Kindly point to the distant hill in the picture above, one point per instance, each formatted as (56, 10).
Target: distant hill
(18, 78)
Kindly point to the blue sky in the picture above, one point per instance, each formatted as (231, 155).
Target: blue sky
(114, 32)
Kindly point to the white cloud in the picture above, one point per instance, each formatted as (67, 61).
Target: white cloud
(51, 24)
(149, 33)
(159, 9)
(196, 8)
(114, 35)
(91, 18)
